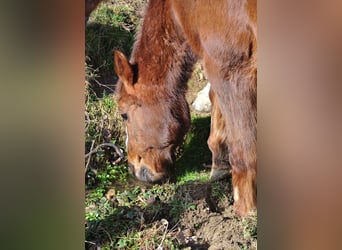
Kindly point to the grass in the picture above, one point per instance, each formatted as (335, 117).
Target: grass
(194, 153)
(110, 27)
(103, 127)
(131, 219)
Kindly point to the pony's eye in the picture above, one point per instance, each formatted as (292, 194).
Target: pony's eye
(124, 116)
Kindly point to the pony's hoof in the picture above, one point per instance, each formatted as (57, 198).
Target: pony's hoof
(218, 174)
(243, 212)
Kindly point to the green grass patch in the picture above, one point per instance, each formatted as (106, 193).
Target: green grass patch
(192, 176)
(249, 227)
(110, 27)
(194, 153)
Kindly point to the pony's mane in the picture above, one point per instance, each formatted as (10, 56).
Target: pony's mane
(159, 40)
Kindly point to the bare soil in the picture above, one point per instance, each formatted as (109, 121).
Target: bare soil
(213, 224)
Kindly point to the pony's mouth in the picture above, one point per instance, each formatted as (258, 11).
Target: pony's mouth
(143, 173)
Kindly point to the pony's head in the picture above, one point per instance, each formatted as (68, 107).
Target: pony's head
(156, 121)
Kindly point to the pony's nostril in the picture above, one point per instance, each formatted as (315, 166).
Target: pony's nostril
(145, 174)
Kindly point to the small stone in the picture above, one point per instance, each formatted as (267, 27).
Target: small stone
(110, 195)
(181, 238)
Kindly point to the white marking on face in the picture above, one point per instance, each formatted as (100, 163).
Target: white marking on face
(126, 142)
(236, 194)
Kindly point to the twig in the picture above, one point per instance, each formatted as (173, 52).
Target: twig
(109, 237)
(92, 151)
(166, 225)
(174, 227)
(117, 149)
(90, 242)
(91, 148)
(103, 85)
(87, 120)
(94, 244)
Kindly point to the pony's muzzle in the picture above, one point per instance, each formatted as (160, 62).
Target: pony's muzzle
(146, 175)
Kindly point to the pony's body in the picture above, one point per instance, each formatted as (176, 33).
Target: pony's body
(152, 86)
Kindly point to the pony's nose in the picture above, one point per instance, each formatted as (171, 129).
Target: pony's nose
(145, 174)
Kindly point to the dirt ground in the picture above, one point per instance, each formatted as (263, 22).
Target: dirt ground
(213, 225)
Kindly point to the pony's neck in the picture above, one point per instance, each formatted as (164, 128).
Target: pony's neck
(161, 52)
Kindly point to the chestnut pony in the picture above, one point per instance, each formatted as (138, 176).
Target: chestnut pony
(152, 86)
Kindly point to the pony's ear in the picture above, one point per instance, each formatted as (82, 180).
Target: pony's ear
(124, 70)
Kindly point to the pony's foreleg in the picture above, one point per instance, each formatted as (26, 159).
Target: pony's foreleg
(236, 121)
(244, 188)
(217, 142)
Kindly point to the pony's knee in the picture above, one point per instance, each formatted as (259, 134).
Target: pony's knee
(212, 143)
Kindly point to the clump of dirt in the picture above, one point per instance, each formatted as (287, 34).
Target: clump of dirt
(213, 224)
